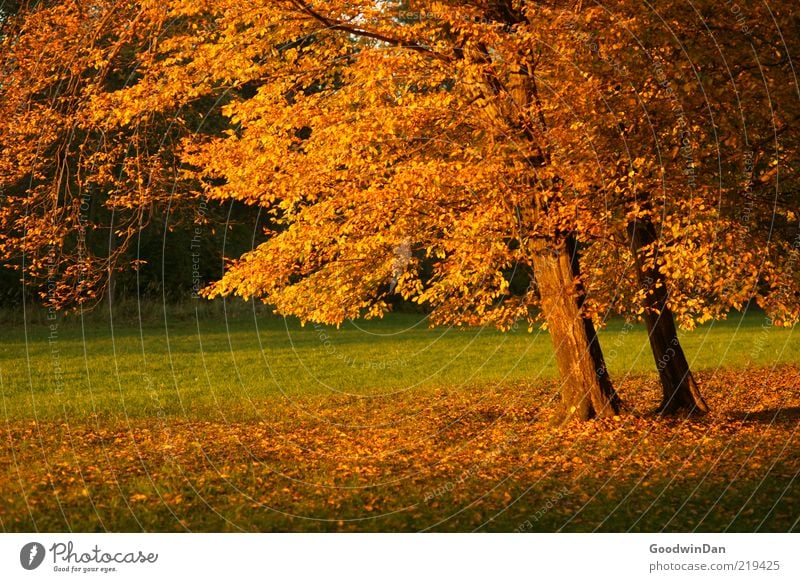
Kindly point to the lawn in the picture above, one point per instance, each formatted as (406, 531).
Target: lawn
(241, 421)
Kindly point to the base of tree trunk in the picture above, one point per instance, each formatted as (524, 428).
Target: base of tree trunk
(680, 391)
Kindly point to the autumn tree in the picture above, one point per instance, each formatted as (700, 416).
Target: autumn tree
(381, 137)
(84, 190)
(386, 130)
(57, 173)
(692, 137)
(439, 151)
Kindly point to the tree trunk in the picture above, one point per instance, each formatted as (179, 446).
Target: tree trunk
(679, 388)
(586, 389)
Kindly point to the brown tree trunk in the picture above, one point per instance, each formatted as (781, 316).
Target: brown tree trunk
(679, 388)
(586, 389)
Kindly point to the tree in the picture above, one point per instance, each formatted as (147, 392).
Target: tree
(385, 128)
(496, 161)
(84, 188)
(700, 106)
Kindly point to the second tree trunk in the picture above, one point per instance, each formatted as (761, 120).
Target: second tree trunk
(678, 386)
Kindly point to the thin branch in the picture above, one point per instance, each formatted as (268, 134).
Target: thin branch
(332, 24)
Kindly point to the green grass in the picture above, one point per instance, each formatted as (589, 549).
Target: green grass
(239, 421)
(211, 368)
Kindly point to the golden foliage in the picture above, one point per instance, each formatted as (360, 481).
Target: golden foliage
(467, 132)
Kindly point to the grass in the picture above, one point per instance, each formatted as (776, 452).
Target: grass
(230, 419)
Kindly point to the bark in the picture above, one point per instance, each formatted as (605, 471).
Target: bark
(680, 390)
(586, 389)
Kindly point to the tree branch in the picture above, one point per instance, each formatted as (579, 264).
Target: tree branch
(332, 24)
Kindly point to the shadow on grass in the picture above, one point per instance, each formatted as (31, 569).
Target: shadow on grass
(789, 415)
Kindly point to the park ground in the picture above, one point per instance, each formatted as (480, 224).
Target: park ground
(230, 419)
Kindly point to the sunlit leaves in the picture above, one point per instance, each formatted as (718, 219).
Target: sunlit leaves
(470, 130)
